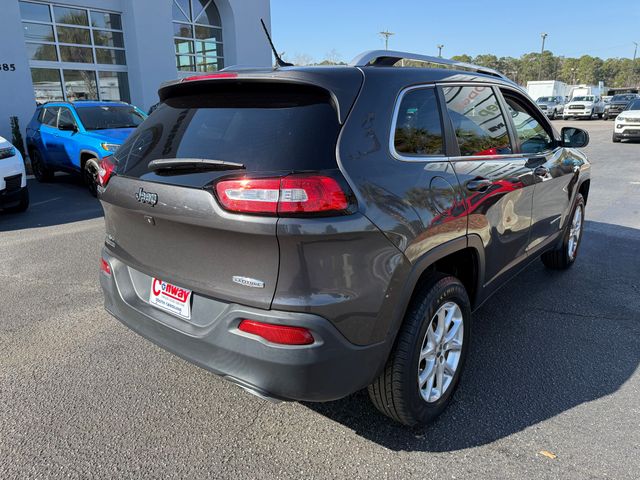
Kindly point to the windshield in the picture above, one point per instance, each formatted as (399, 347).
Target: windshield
(588, 98)
(623, 98)
(546, 99)
(635, 105)
(108, 117)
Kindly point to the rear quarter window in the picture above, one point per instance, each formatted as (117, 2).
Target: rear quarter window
(418, 128)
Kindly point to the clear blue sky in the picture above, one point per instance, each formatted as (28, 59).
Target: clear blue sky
(499, 27)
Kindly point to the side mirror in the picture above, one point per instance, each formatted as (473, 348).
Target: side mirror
(574, 137)
(68, 127)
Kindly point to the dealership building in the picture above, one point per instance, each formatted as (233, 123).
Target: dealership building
(119, 49)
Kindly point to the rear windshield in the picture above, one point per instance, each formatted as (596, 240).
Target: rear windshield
(266, 128)
(108, 117)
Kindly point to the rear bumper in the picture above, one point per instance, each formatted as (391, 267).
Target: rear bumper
(328, 369)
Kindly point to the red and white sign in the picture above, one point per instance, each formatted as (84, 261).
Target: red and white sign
(171, 298)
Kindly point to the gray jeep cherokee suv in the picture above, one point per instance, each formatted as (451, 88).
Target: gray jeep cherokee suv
(308, 232)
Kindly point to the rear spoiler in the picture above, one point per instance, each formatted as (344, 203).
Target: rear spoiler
(342, 84)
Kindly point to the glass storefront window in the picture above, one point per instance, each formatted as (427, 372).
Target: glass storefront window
(197, 31)
(38, 32)
(61, 41)
(76, 54)
(108, 39)
(71, 16)
(35, 11)
(80, 85)
(42, 51)
(79, 36)
(113, 86)
(46, 84)
(106, 20)
(111, 57)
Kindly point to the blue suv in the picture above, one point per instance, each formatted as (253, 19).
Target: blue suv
(74, 137)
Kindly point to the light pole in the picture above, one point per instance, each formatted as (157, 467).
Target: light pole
(573, 76)
(544, 37)
(386, 34)
(633, 63)
(440, 47)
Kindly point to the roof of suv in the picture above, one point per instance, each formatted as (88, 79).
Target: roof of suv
(344, 82)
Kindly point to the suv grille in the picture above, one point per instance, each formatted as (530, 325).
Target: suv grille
(13, 183)
(576, 107)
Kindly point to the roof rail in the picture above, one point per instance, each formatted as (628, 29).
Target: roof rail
(388, 58)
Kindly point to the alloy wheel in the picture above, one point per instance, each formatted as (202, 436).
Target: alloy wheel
(440, 352)
(575, 230)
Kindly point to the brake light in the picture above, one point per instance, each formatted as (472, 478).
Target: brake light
(105, 267)
(282, 334)
(210, 76)
(293, 194)
(105, 171)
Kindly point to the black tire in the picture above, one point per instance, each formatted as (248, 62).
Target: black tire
(560, 258)
(90, 175)
(605, 117)
(24, 202)
(396, 392)
(553, 115)
(40, 170)
(615, 138)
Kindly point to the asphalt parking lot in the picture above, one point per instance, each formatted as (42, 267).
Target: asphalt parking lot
(553, 368)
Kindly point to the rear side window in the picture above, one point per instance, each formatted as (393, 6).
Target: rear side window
(478, 122)
(50, 116)
(418, 130)
(266, 127)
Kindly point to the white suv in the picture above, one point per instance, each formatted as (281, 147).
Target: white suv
(14, 196)
(627, 124)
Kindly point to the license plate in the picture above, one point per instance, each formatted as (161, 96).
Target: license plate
(170, 298)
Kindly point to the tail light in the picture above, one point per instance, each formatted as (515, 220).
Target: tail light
(105, 267)
(293, 194)
(282, 334)
(105, 171)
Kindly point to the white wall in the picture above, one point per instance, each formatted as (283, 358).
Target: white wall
(148, 35)
(16, 90)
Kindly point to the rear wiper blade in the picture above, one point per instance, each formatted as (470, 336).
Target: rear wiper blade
(192, 164)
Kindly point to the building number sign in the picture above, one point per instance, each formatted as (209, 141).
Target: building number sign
(8, 67)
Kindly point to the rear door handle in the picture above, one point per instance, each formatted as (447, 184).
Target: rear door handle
(479, 185)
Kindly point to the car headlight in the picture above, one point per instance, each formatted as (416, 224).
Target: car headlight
(7, 152)
(621, 119)
(110, 147)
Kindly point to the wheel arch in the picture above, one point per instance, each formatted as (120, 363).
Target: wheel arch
(87, 155)
(462, 257)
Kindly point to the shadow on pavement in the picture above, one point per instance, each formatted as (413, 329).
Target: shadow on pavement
(64, 200)
(547, 342)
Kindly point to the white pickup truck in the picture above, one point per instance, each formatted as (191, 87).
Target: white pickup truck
(584, 106)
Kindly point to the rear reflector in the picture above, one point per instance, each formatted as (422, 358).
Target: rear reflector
(210, 76)
(105, 267)
(105, 171)
(281, 334)
(293, 194)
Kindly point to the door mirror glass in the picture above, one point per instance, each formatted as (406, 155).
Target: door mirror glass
(574, 137)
